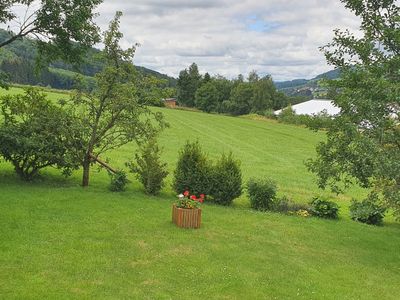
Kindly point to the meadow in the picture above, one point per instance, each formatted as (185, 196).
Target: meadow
(58, 240)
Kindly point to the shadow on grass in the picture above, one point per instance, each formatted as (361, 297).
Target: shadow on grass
(45, 179)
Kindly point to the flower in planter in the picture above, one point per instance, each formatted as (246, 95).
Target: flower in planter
(186, 200)
(202, 197)
(186, 212)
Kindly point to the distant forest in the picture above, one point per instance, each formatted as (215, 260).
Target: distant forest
(18, 62)
(238, 96)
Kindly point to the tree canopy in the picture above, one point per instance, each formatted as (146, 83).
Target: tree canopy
(363, 142)
(62, 28)
(237, 97)
(188, 82)
(206, 97)
(35, 133)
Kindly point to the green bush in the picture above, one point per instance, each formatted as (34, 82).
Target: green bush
(149, 169)
(198, 175)
(193, 170)
(35, 134)
(315, 122)
(270, 114)
(226, 180)
(324, 209)
(367, 212)
(289, 116)
(262, 193)
(118, 181)
(319, 121)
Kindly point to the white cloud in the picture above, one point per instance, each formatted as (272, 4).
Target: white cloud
(228, 37)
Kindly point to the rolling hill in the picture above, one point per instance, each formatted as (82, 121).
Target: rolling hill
(18, 61)
(308, 88)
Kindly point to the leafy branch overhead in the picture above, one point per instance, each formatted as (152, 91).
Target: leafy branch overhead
(62, 28)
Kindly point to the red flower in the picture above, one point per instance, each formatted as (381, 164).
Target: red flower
(202, 196)
(186, 193)
(193, 197)
(201, 200)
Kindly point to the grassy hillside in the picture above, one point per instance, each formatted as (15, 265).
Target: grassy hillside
(265, 148)
(52, 94)
(58, 240)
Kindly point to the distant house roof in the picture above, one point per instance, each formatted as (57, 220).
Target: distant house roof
(313, 107)
(169, 102)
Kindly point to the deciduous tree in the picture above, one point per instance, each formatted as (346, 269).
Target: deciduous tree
(263, 94)
(188, 83)
(206, 97)
(63, 28)
(240, 100)
(36, 133)
(112, 116)
(363, 142)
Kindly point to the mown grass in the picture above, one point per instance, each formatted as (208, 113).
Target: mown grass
(52, 94)
(58, 240)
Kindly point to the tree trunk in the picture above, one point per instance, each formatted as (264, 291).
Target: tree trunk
(86, 169)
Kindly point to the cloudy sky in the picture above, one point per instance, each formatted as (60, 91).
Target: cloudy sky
(228, 37)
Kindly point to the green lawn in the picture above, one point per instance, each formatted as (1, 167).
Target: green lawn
(59, 241)
(52, 94)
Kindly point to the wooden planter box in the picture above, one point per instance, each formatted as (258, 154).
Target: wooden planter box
(186, 217)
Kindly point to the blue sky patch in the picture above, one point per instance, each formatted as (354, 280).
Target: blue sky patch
(254, 23)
